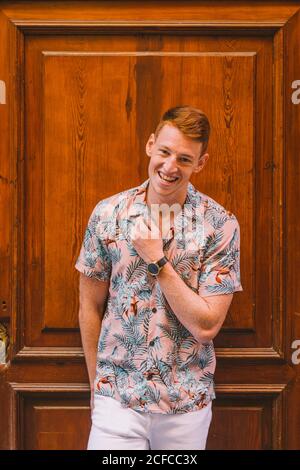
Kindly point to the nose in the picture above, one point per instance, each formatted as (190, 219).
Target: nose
(170, 164)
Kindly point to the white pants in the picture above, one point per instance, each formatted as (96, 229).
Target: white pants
(115, 427)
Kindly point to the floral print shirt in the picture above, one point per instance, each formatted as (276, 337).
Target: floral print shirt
(146, 358)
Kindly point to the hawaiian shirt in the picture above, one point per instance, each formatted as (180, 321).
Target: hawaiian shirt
(147, 359)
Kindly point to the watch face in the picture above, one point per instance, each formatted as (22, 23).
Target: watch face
(153, 268)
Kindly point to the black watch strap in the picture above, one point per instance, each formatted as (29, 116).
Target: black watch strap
(162, 261)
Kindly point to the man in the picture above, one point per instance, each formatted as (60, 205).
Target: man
(160, 293)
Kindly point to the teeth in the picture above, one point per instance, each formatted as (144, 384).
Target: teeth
(166, 178)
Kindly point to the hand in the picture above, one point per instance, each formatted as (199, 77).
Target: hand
(147, 240)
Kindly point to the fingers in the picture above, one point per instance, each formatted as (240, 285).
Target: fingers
(149, 228)
(140, 229)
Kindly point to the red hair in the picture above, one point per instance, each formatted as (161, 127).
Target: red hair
(192, 122)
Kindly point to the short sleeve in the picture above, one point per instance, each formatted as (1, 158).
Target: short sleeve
(219, 271)
(94, 258)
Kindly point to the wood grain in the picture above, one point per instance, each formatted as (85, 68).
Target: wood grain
(86, 83)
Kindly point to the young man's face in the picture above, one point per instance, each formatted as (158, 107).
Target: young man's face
(175, 157)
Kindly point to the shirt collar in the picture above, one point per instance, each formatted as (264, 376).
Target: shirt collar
(138, 205)
(191, 197)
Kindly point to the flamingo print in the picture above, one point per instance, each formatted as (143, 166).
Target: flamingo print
(221, 271)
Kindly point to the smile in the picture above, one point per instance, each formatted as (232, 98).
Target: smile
(168, 179)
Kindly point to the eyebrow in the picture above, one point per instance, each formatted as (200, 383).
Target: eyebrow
(182, 154)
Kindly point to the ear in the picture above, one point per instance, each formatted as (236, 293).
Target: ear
(150, 144)
(201, 163)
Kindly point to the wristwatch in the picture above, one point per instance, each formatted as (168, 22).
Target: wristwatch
(155, 267)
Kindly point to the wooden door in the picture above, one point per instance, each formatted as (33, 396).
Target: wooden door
(85, 85)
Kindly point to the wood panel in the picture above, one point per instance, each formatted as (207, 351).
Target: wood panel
(63, 157)
(248, 417)
(291, 301)
(86, 84)
(51, 416)
(246, 424)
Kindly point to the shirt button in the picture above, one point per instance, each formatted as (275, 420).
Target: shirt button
(151, 343)
(154, 310)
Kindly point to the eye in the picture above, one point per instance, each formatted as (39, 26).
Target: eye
(164, 152)
(186, 160)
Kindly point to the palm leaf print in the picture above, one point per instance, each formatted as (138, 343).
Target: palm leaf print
(161, 371)
(125, 342)
(117, 282)
(174, 395)
(181, 363)
(203, 274)
(228, 254)
(133, 331)
(132, 251)
(135, 269)
(125, 397)
(106, 392)
(119, 206)
(206, 356)
(146, 355)
(164, 371)
(159, 298)
(134, 336)
(183, 261)
(143, 365)
(225, 258)
(214, 219)
(233, 239)
(226, 287)
(176, 324)
(153, 394)
(108, 226)
(130, 364)
(178, 409)
(188, 342)
(87, 239)
(125, 227)
(106, 366)
(93, 222)
(192, 359)
(122, 373)
(212, 242)
(145, 315)
(102, 341)
(115, 254)
(144, 294)
(155, 344)
(143, 318)
(180, 243)
(139, 208)
(172, 356)
(170, 333)
(137, 340)
(139, 318)
(207, 378)
(90, 253)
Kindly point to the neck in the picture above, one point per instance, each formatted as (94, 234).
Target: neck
(154, 198)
